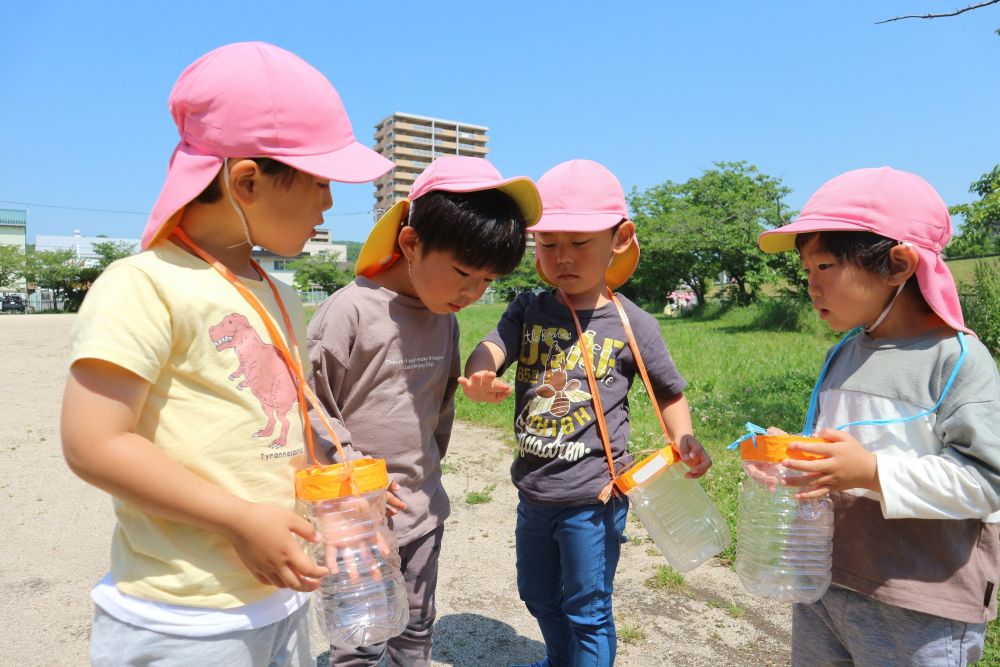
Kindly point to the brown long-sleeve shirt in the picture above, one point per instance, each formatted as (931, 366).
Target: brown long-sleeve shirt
(385, 369)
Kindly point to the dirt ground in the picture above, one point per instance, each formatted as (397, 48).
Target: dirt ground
(56, 530)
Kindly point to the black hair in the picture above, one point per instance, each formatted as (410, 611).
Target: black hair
(279, 171)
(865, 250)
(484, 230)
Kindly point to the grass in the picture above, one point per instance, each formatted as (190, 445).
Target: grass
(666, 578)
(629, 632)
(481, 497)
(963, 270)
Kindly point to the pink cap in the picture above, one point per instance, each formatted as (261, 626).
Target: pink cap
(895, 204)
(583, 196)
(451, 173)
(253, 99)
(580, 196)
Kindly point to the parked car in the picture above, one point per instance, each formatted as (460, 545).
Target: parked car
(13, 303)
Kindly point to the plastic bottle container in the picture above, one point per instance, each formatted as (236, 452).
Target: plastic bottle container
(363, 600)
(785, 545)
(675, 511)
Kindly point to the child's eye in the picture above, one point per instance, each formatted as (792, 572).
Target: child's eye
(824, 267)
(546, 245)
(460, 272)
(581, 243)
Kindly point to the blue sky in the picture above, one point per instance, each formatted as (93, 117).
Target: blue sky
(654, 90)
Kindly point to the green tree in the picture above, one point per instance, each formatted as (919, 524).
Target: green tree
(523, 278)
(320, 271)
(68, 277)
(112, 251)
(57, 270)
(980, 233)
(11, 265)
(694, 231)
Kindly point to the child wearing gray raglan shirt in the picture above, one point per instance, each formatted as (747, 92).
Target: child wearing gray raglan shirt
(908, 403)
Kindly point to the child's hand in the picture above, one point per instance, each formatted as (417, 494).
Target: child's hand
(392, 502)
(694, 455)
(848, 465)
(263, 537)
(353, 537)
(485, 387)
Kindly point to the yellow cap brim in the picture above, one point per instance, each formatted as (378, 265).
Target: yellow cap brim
(774, 241)
(380, 249)
(619, 271)
(525, 195)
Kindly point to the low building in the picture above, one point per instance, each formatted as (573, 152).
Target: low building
(13, 232)
(277, 265)
(82, 246)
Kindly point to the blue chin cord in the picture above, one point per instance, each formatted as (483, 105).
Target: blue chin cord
(810, 422)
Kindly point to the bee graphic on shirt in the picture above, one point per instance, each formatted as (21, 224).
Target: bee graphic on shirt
(556, 394)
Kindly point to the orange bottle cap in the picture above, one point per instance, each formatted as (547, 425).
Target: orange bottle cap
(774, 448)
(647, 469)
(334, 481)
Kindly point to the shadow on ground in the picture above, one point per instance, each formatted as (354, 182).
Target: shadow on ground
(471, 640)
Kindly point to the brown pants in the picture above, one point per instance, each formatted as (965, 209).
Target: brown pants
(413, 647)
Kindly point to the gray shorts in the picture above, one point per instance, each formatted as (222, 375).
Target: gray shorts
(114, 643)
(844, 628)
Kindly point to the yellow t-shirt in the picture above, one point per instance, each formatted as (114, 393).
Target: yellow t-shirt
(222, 404)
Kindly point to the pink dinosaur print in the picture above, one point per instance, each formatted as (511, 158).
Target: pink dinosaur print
(263, 369)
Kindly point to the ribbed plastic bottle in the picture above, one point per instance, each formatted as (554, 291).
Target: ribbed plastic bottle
(676, 512)
(363, 600)
(785, 545)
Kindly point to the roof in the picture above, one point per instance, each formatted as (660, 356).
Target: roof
(13, 216)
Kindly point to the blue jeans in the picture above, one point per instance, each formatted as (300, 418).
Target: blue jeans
(566, 560)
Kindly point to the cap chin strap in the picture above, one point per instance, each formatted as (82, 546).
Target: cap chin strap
(239, 211)
(899, 290)
(885, 311)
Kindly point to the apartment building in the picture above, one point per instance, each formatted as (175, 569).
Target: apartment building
(412, 142)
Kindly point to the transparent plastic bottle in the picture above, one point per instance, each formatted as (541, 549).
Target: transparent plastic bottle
(363, 600)
(785, 545)
(676, 512)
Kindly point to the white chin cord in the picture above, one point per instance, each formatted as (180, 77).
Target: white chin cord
(239, 211)
(885, 311)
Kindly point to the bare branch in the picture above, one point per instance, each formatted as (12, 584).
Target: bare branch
(937, 16)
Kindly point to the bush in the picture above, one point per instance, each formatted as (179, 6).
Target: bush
(982, 306)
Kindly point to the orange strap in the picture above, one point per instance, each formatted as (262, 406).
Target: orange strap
(292, 360)
(594, 390)
(596, 397)
(639, 362)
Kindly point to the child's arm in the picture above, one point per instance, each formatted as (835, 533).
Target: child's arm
(101, 407)
(481, 382)
(677, 418)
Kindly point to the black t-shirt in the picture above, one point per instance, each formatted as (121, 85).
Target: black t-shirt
(561, 460)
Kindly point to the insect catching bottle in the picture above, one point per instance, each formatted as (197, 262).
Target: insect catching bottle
(785, 544)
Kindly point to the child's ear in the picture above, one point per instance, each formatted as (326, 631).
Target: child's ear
(243, 175)
(408, 241)
(624, 236)
(903, 261)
